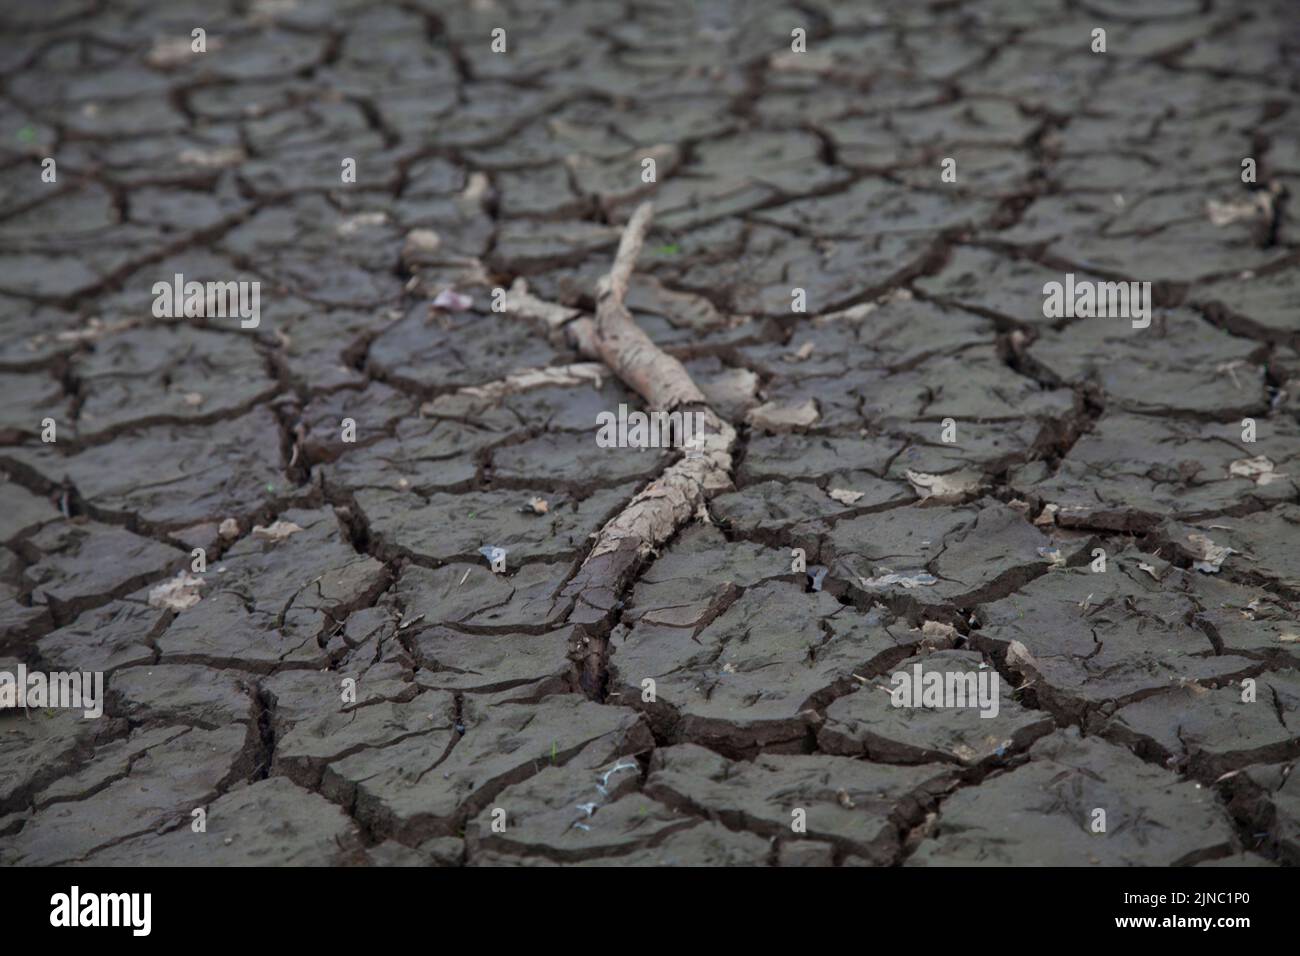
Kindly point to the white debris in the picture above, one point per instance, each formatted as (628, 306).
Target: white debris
(1212, 555)
(1233, 210)
(275, 532)
(1018, 657)
(362, 220)
(1259, 469)
(178, 594)
(915, 579)
(1052, 556)
(958, 484)
(844, 496)
(422, 240)
(452, 301)
(937, 629)
(783, 418)
(218, 157)
(803, 354)
(476, 188)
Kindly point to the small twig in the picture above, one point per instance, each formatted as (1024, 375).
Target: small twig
(612, 289)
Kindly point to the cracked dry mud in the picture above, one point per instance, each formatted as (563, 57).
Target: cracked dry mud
(333, 557)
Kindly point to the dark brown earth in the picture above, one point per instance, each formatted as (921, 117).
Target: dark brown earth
(483, 697)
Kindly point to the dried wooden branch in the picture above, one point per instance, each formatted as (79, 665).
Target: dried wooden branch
(669, 502)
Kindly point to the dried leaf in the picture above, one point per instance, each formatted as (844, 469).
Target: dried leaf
(178, 594)
(216, 158)
(804, 353)
(1018, 656)
(914, 580)
(784, 418)
(844, 496)
(276, 531)
(1224, 213)
(362, 220)
(937, 629)
(955, 485)
(1211, 555)
(422, 240)
(450, 300)
(476, 188)
(1259, 469)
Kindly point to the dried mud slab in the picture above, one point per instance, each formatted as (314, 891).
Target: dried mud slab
(937, 556)
(784, 457)
(24, 512)
(149, 376)
(860, 809)
(1207, 733)
(193, 695)
(574, 813)
(29, 399)
(741, 682)
(375, 411)
(271, 602)
(1185, 368)
(867, 723)
(1131, 471)
(437, 352)
(307, 747)
(1002, 288)
(422, 785)
(127, 793)
(271, 822)
(443, 527)
(473, 598)
(118, 634)
(421, 456)
(78, 565)
(894, 333)
(1257, 306)
(1085, 643)
(170, 476)
(1245, 619)
(757, 275)
(527, 665)
(38, 752)
(1265, 798)
(1044, 811)
(797, 513)
(1261, 543)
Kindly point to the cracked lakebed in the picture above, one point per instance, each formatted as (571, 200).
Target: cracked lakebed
(348, 681)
